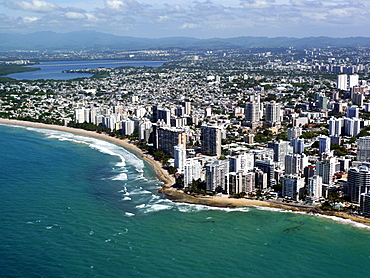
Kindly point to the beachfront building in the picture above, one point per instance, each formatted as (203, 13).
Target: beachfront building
(292, 186)
(243, 162)
(358, 182)
(168, 138)
(314, 187)
(241, 182)
(192, 171)
(365, 203)
(363, 148)
(217, 176)
(128, 127)
(326, 169)
(180, 157)
(211, 140)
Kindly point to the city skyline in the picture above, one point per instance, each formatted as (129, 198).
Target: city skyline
(200, 19)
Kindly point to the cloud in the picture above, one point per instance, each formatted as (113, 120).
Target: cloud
(256, 4)
(189, 26)
(75, 15)
(123, 5)
(29, 19)
(37, 6)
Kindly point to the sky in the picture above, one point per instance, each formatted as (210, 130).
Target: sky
(199, 19)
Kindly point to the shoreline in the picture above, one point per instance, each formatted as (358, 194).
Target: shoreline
(178, 195)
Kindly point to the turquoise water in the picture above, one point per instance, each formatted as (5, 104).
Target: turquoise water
(54, 70)
(73, 206)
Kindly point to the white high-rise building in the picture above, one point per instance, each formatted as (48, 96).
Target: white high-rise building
(292, 186)
(353, 81)
(336, 126)
(128, 127)
(217, 175)
(192, 170)
(352, 126)
(314, 186)
(242, 162)
(180, 157)
(342, 83)
(295, 164)
(326, 170)
(363, 148)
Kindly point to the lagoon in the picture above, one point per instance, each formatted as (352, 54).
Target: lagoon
(54, 70)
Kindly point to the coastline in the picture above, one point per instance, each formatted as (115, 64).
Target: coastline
(178, 195)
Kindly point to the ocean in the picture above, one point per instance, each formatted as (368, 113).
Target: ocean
(74, 206)
(54, 70)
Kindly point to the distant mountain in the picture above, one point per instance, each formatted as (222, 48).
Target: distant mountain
(94, 40)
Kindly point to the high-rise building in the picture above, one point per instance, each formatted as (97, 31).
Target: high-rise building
(211, 140)
(353, 112)
(252, 114)
(192, 170)
(217, 175)
(144, 130)
(273, 113)
(326, 170)
(342, 82)
(281, 149)
(352, 126)
(267, 167)
(353, 80)
(242, 162)
(297, 144)
(241, 182)
(128, 127)
(358, 182)
(180, 157)
(295, 164)
(323, 102)
(314, 186)
(363, 148)
(168, 138)
(292, 186)
(187, 107)
(324, 144)
(336, 126)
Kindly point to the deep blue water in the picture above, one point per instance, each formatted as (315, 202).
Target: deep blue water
(73, 206)
(54, 70)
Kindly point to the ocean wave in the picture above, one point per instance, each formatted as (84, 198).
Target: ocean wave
(99, 145)
(120, 177)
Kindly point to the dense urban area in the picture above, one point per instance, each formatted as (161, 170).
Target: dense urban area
(284, 123)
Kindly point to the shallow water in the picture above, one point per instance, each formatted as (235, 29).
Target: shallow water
(74, 206)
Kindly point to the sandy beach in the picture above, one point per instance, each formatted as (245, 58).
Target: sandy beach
(179, 195)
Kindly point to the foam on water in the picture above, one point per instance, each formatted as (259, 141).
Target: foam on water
(101, 146)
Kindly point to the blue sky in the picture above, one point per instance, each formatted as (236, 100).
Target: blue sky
(200, 19)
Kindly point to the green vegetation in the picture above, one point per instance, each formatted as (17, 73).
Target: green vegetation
(8, 69)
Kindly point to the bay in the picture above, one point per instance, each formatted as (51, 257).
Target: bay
(54, 70)
(74, 206)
